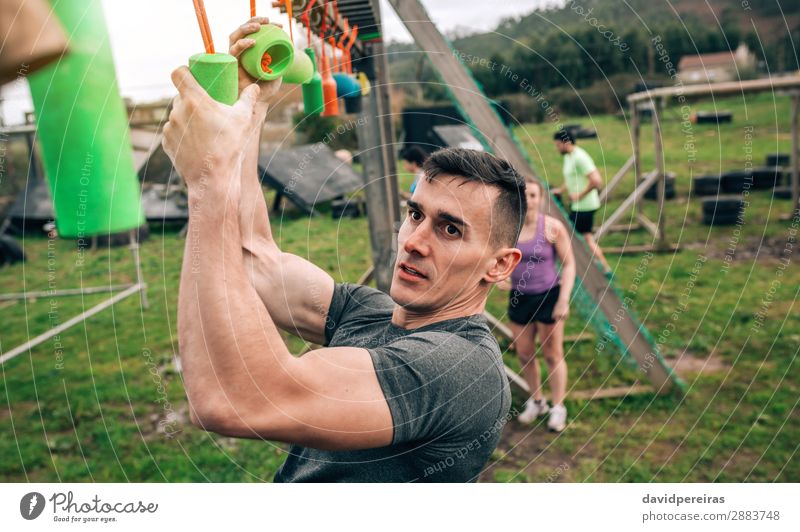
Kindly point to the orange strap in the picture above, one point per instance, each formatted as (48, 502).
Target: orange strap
(202, 20)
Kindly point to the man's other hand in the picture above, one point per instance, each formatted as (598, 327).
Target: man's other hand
(239, 42)
(206, 139)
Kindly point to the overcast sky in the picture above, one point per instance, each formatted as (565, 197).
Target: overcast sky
(149, 38)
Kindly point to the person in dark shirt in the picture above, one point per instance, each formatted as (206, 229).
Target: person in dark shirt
(410, 385)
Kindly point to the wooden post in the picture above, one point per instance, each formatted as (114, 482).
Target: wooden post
(476, 107)
(662, 180)
(636, 133)
(384, 116)
(381, 232)
(795, 156)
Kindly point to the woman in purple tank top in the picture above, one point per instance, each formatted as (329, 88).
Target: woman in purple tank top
(539, 306)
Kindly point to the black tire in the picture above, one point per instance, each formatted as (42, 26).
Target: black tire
(723, 205)
(706, 185)
(782, 193)
(766, 177)
(342, 208)
(736, 182)
(720, 219)
(10, 251)
(778, 159)
(669, 189)
(711, 117)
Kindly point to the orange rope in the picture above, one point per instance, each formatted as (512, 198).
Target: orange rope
(334, 61)
(202, 19)
(306, 20)
(288, 4)
(252, 8)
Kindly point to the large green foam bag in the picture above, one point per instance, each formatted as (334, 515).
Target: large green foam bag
(82, 128)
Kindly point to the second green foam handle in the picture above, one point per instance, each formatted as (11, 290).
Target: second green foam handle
(218, 74)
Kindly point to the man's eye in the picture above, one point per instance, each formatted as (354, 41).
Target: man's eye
(415, 215)
(452, 230)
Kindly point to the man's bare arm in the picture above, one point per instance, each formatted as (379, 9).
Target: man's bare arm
(239, 376)
(595, 182)
(297, 293)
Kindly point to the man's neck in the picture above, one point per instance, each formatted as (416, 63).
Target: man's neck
(409, 319)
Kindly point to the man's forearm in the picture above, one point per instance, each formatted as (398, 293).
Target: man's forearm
(253, 213)
(228, 342)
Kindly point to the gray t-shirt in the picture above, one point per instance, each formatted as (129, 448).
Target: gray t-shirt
(445, 386)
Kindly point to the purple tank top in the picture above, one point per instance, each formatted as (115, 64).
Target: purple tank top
(536, 273)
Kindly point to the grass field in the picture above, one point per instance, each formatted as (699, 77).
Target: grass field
(731, 327)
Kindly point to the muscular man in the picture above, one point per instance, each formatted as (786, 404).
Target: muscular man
(409, 386)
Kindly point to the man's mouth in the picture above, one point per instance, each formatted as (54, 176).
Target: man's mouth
(412, 271)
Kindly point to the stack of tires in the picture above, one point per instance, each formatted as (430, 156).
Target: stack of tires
(783, 189)
(767, 177)
(722, 210)
(706, 185)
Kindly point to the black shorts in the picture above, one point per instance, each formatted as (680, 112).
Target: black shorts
(526, 308)
(582, 220)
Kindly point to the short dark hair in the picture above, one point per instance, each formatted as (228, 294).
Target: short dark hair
(473, 165)
(564, 135)
(413, 154)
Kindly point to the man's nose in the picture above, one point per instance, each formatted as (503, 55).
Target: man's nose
(418, 240)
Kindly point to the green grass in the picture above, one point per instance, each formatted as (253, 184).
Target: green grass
(96, 417)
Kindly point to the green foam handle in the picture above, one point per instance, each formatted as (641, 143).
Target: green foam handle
(272, 40)
(300, 71)
(218, 75)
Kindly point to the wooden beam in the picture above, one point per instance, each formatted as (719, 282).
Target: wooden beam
(367, 276)
(624, 228)
(476, 107)
(648, 224)
(795, 185)
(381, 231)
(661, 189)
(617, 178)
(635, 196)
(608, 393)
(718, 89)
(627, 250)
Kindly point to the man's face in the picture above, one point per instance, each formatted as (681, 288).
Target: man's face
(562, 147)
(444, 245)
(410, 167)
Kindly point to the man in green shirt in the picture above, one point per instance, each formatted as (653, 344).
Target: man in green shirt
(582, 182)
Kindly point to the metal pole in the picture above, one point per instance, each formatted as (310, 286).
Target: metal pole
(137, 263)
(69, 323)
(64, 292)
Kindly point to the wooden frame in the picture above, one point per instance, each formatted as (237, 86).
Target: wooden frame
(487, 124)
(787, 83)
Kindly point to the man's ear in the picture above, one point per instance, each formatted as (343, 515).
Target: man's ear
(505, 260)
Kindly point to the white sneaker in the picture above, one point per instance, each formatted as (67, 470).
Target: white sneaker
(558, 418)
(533, 409)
